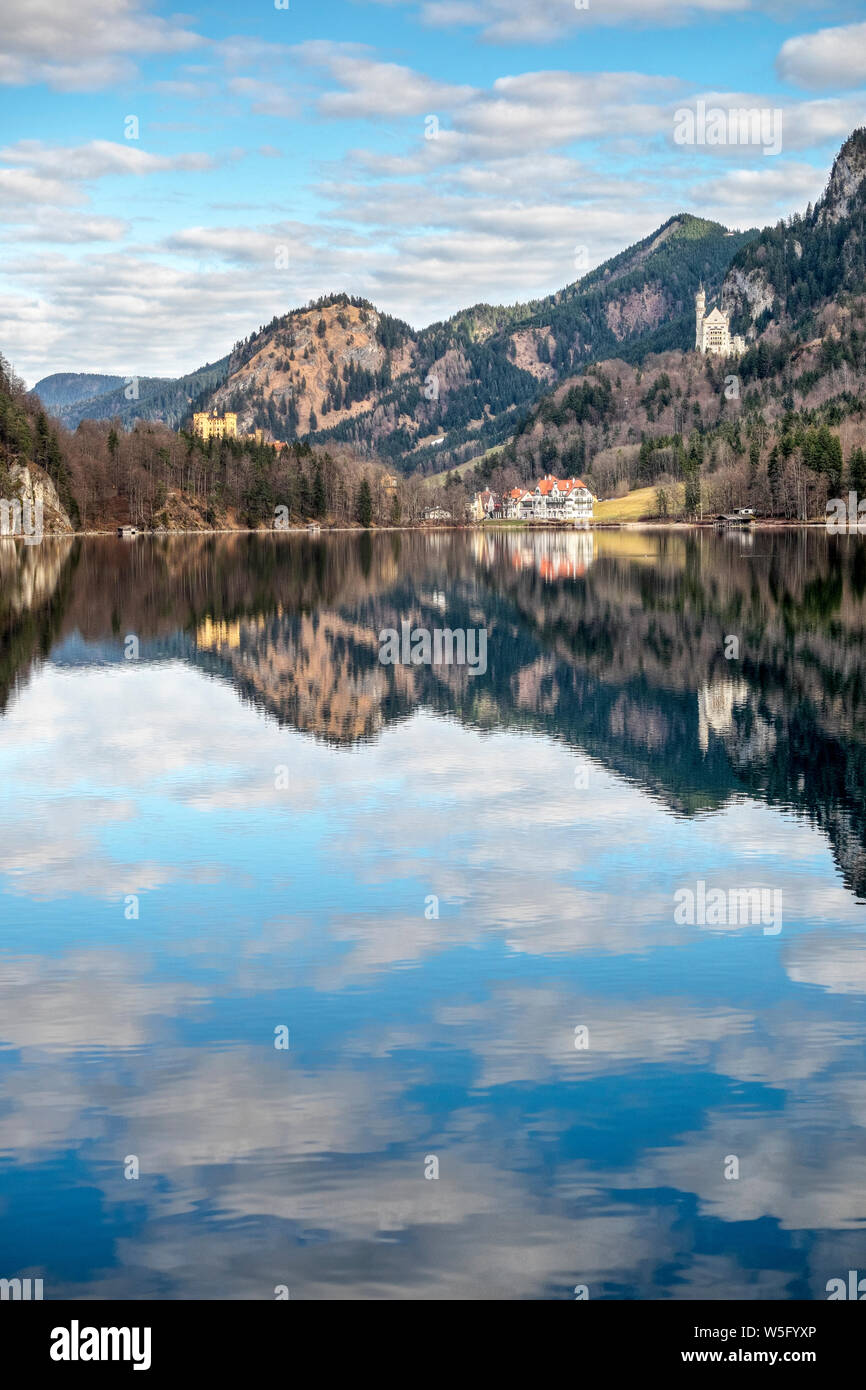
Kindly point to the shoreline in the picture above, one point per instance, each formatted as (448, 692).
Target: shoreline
(762, 524)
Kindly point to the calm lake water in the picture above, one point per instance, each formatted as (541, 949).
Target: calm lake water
(457, 893)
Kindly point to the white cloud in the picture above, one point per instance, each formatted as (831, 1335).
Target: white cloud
(265, 97)
(371, 88)
(829, 58)
(21, 186)
(87, 45)
(148, 316)
(515, 21)
(95, 160)
(69, 230)
(778, 1175)
(753, 197)
(812, 123)
(41, 183)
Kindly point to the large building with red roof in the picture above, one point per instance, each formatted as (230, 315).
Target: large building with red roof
(552, 499)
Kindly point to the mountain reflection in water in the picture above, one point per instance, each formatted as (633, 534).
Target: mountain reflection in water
(432, 879)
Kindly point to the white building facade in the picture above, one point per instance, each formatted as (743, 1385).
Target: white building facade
(551, 499)
(557, 499)
(713, 330)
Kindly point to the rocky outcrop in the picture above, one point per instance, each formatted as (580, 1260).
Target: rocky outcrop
(302, 368)
(32, 505)
(747, 292)
(846, 177)
(641, 309)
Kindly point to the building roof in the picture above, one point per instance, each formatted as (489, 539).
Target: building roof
(550, 484)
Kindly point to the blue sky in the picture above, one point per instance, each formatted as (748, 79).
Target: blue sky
(283, 153)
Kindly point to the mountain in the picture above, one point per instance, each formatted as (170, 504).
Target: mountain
(339, 370)
(781, 428)
(64, 389)
(430, 399)
(75, 396)
(774, 441)
(791, 271)
(329, 359)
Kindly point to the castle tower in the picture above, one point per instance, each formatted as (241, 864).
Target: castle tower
(700, 310)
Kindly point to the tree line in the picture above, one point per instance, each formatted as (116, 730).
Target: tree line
(155, 477)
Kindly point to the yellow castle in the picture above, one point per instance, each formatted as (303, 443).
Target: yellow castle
(213, 426)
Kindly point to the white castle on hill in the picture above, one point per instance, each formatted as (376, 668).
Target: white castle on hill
(713, 330)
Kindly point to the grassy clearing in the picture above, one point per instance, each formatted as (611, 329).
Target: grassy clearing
(640, 503)
(437, 479)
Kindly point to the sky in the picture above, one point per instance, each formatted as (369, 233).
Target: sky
(169, 182)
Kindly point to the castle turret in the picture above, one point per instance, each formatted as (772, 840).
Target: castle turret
(700, 310)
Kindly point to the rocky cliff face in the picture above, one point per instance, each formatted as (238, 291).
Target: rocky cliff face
(747, 291)
(795, 269)
(40, 505)
(313, 368)
(846, 179)
(639, 311)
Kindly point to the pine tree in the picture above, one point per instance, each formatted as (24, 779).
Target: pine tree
(364, 510)
(857, 472)
(774, 475)
(692, 498)
(319, 499)
(691, 468)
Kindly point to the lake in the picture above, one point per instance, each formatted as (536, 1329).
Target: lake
(331, 977)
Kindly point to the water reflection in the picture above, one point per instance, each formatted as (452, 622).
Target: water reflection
(431, 879)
